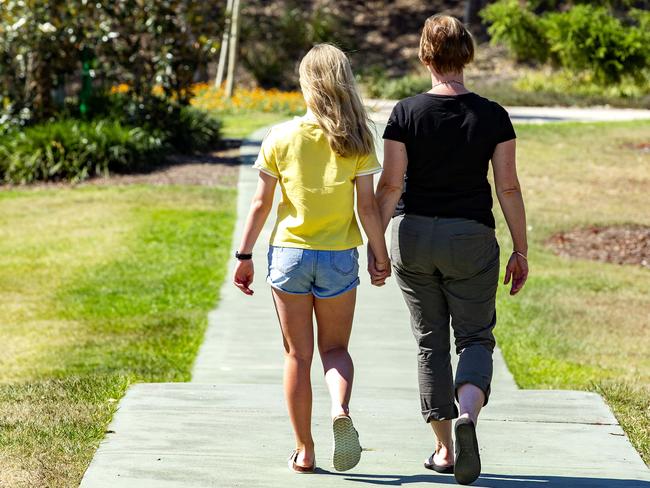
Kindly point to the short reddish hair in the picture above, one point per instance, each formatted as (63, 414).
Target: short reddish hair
(446, 45)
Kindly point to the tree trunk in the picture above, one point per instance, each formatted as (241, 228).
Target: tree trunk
(223, 49)
(233, 46)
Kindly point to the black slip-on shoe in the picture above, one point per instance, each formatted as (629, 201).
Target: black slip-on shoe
(468, 462)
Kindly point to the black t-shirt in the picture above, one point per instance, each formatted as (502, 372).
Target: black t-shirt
(449, 141)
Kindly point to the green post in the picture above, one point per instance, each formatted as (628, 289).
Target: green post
(86, 80)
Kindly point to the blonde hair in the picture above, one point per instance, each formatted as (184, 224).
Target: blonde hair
(446, 45)
(330, 91)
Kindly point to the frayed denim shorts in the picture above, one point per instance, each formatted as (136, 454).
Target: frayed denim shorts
(325, 274)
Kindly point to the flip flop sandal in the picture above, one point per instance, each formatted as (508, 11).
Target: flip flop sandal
(296, 468)
(347, 450)
(431, 464)
(468, 462)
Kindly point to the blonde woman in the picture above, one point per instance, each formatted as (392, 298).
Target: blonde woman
(318, 160)
(438, 147)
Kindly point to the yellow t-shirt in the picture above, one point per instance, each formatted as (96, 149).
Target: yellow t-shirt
(317, 207)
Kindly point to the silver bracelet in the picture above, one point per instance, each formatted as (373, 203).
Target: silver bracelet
(520, 254)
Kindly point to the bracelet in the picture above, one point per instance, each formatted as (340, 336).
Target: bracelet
(243, 257)
(520, 254)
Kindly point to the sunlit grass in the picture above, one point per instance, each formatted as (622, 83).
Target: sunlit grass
(99, 288)
(582, 324)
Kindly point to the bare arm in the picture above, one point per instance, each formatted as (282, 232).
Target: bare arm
(512, 204)
(371, 221)
(389, 191)
(260, 208)
(391, 183)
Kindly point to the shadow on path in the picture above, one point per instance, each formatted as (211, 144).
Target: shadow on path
(488, 480)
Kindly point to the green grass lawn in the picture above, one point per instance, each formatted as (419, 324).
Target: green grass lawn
(582, 324)
(100, 287)
(237, 126)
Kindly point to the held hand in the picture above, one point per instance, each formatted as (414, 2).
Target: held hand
(517, 270)
(243, 276)
(378, 271)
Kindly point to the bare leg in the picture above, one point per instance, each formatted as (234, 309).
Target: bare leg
(471, 399)
(334, 317)
(295, 313)
(444, 451)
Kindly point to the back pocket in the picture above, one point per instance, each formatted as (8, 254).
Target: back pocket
(344, 262)
(472, 253)
(286, 259)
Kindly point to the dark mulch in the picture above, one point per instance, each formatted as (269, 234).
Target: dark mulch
(218, 168)
(619, 244)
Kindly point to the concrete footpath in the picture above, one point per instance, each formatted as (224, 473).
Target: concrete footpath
(380, 111)
(228, 427)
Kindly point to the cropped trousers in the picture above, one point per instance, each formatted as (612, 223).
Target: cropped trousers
(448, 271)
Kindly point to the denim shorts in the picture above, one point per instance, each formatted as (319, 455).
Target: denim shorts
(325, 274)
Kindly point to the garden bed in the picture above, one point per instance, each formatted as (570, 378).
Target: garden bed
(619, 245)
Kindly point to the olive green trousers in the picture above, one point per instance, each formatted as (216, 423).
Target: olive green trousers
(448, 271)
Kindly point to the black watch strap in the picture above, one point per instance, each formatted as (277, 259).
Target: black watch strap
(243, 257)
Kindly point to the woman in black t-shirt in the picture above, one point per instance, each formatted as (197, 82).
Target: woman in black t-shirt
(437, 150)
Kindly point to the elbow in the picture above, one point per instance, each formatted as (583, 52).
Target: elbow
(261, 205)
(389, 192)
(509, 190)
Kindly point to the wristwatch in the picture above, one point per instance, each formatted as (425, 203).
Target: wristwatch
(243, 257)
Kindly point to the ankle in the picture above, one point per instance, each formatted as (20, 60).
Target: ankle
(470, 416)
(338, 410)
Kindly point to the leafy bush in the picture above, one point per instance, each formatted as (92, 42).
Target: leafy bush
(378, 86)
(43, 44)
(590, 38)
(74, 150)
(584, 38)
(195, 130)
(184, 128)
(518, 28)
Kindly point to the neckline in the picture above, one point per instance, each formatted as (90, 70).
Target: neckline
(448, 96)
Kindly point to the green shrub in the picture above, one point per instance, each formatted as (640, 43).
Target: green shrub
(74, 150)
(518, 28)
(587, 38)
(584, 38)
(378, 86)
(185, 128)
(195, 130)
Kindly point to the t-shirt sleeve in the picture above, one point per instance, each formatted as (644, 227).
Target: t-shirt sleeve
(266, 161)
(368, 164)
(396, 126)
(505, 130)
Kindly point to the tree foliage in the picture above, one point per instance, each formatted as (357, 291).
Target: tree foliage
(584, 38)
(139, 42)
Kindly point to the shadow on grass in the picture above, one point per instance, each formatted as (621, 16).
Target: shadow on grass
(488, 480)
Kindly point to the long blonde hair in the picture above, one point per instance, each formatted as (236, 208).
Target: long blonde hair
(330, 91)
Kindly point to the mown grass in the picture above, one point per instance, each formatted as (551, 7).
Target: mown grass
(100, 287)
(580, 324)
(238, 126)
